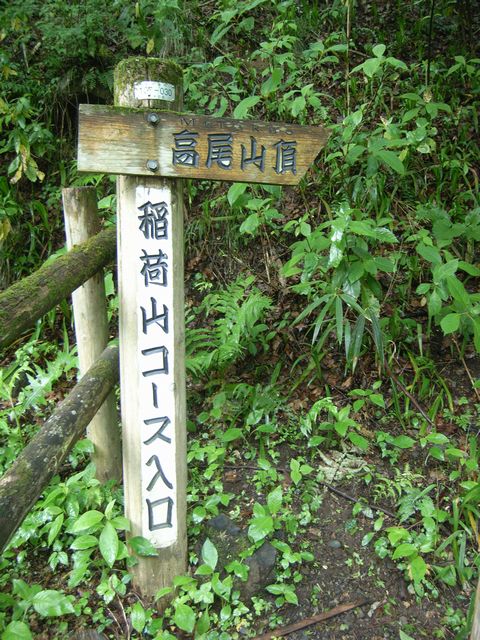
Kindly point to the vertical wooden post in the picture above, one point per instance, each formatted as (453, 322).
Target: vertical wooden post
(475, 635)
(91, 330)
(152, 367)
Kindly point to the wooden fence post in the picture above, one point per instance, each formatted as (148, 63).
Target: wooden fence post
(475, 635)
(91, 330)
(152, 367)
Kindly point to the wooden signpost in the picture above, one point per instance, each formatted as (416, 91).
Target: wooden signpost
(148, 141)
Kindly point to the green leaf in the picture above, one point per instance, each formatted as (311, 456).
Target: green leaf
(458, 292)
(17, 630)
(276, 589)
(272, 83)
(231, 434)
(138, 617)
(358, 440)
(392, 160)
(417, 569)
(164, 591)
(404, 636)
(437, 438)
(209, 554)
(184, 617)
(379, 50)
(367, 538)
(298, 106)
(55, 528)
(274, 500)
(204, 570)
(108, 544)
(199, 514)
(86, 520)
(290, 596)
(432, 254)
(455, 453)
(260, 528)
(403, 442)
(371, 66)
(404, 550)
(142, 547)
(244, 105)
(250, 224)
(52, 603)
(121, 523)
(377, 399)
(236, 190)
(450, 323)
(203, 624)
(471, 269)
(84, 542)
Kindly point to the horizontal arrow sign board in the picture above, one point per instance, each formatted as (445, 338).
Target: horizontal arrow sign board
(146, 143)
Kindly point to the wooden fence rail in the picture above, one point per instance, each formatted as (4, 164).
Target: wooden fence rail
(22, 304)
(41, 459)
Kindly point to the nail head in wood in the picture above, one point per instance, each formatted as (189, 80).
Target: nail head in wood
(152, 165)
(153, 119)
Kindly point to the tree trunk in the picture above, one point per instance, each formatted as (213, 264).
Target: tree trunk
(41, 459)
(22, 304)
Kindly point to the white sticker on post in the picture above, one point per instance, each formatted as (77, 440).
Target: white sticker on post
(150, 90)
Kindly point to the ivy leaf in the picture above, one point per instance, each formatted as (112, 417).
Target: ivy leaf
(52, 603)
(108, 544)
(184, 617)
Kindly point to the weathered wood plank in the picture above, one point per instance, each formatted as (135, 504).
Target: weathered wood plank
(92, 331)
(41, 459)
(123, 141)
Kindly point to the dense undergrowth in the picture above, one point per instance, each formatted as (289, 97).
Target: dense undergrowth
(325, 318)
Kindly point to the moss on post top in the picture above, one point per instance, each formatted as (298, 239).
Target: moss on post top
(132, 70)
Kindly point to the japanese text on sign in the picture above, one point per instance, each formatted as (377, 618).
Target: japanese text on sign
(155, 344)
(220, 152)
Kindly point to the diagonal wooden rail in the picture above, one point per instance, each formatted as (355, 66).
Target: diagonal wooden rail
(41, 459)
(22, 304)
